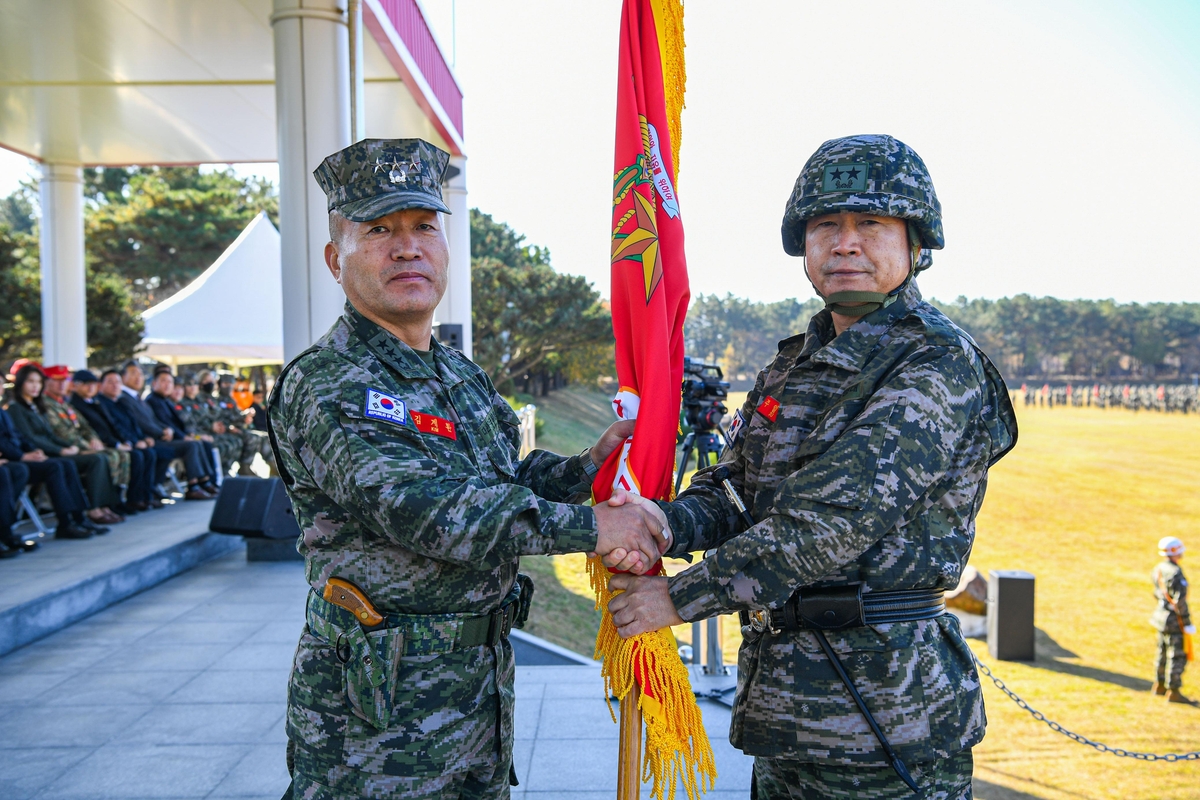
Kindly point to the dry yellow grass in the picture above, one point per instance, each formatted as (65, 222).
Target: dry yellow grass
(1081, 503)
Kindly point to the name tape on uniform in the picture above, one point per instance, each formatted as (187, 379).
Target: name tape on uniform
(428, 423)
(386, 407)
(769, 408)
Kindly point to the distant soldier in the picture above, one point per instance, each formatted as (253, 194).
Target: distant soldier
(253, 442)
(202, 409)
(1172, 620)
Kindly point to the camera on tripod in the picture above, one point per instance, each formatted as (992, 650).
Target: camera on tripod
(704, 392)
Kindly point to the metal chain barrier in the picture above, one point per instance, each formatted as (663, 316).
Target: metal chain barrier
(1054, 726)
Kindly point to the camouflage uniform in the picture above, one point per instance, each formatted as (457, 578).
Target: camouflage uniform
(251, 442)
(203, 410)
(74, 429)
(403, 473)
(1170, 660)
(863, 457)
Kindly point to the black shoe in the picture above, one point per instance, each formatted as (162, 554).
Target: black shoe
(29, 545)
(127, 509)
(159, 494)
(72, 531)
(210, 487)
(89, 525)
(9, 550)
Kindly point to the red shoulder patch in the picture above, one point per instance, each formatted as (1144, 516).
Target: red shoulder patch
(769, 408)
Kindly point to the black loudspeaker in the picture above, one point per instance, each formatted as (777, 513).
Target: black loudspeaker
(450, 335)
(1011, 632)
(254, 507)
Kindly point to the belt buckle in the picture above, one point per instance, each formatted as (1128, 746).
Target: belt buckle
(760, 620)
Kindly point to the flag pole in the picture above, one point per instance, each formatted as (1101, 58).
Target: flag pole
(629, 763)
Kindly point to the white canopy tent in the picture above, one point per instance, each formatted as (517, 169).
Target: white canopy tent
(232, 313)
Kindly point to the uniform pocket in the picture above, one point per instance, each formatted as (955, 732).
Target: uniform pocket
(842, 472)
(316, 711)
(371, 687)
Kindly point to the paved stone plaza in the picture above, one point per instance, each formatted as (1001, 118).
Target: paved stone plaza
(178, 692)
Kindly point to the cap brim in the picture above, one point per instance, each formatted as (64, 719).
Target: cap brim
(381, 205)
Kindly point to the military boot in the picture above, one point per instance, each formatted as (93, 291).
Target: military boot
(1159, 688)
(1176, 696)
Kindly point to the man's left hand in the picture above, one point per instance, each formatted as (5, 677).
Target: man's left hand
(610, 440)
(643, 605)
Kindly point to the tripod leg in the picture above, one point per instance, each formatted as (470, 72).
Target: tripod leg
(687, 454)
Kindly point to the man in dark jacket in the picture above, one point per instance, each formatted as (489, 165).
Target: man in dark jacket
(162, 437)
(142, 460)
(59, 475)
(12, 480)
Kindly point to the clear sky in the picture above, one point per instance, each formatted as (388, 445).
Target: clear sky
(1063, 136)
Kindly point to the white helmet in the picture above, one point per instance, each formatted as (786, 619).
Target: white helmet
(1170, 546)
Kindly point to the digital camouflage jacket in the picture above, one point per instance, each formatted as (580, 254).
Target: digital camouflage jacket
(1171, 590)
(863, 458)
(425, 519)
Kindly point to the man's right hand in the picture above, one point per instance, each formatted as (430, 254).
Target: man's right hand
(218, 427)
(633, 529)
(34, 457)
(168, 434)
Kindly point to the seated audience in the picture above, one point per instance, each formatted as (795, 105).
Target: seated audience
(28, 412)
(59, 476)
(194, 454)
(142, 461)
(259, 420)
(69, 426)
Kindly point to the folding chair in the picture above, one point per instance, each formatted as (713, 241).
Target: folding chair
(216, 457)
(26, 507)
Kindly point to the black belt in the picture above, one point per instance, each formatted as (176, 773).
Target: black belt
(836, 608)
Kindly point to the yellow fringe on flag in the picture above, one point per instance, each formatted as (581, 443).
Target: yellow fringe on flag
(668, 23)
(677, 747)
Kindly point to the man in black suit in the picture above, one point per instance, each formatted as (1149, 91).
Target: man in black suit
(142, 460)
(166, 446)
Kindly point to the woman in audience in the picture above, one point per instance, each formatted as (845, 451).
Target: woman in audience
(28, 415)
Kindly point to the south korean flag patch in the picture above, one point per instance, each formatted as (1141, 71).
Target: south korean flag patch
(386, 407)
(738, 429)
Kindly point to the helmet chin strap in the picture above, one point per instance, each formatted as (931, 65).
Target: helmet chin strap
(859, 304)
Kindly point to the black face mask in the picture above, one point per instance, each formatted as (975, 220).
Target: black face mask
(207, 388)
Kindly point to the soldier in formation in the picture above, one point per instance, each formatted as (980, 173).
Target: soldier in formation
(401, 463)
(862, 455)
(1171, 619)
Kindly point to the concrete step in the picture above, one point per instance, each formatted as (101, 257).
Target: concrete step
(62, 582)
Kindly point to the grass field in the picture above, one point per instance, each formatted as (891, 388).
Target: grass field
(1080, 503)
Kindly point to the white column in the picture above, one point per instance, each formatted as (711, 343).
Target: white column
(64, 283)
(456, 305)
(312, 101)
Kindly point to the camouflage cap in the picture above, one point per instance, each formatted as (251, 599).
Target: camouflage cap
(375, 177)
(870, 174)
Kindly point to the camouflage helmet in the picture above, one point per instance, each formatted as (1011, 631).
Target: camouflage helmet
(870, 174)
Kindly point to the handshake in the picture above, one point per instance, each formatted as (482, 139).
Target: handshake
(633, 532)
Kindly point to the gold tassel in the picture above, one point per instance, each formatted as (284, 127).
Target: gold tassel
(668, 20)
(677, 747)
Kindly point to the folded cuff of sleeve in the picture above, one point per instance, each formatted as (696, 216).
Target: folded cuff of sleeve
(576, 533)
(696, 593)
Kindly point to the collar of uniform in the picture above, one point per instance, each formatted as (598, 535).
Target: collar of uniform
(395, 353)
(851, 349)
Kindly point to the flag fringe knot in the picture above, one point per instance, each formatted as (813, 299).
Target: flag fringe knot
(677, 746)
